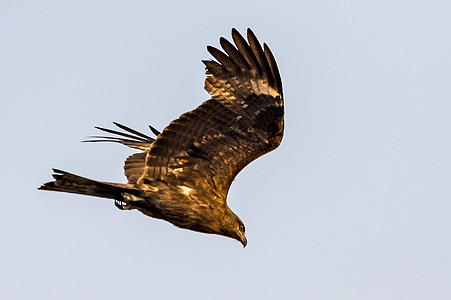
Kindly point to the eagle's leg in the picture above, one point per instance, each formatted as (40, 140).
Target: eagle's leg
(126, 202)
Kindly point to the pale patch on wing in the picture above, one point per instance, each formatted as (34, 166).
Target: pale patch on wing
(185, 190)
(273, 92)
(147, 187)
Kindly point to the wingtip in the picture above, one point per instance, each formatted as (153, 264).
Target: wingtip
(235, 31)
(251, 36)
(154, 130)
(236, 35)
(210, 48)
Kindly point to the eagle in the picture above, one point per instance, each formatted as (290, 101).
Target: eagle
(183, 175)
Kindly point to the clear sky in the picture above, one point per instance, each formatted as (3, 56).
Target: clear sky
(355, 204)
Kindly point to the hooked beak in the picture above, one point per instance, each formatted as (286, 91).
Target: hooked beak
(243, 239)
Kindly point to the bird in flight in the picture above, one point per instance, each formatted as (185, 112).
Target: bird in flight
(184, 174)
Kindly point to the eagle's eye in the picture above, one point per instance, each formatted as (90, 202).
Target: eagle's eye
(242, 227)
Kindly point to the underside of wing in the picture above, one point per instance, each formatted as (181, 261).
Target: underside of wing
(208, 146)
(134, 166)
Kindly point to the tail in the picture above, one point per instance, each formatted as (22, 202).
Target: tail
(70, 183)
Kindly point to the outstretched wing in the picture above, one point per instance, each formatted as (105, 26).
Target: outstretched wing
(207, 147)
(134, 165)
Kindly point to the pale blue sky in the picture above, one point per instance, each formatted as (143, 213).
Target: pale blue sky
(355, 204)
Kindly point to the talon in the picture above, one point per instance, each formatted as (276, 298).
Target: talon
(127, 198)
(126, 202)
(120, 204)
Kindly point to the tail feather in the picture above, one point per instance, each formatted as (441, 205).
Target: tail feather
(70, 183)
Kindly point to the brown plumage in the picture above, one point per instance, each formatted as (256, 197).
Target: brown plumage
(183, 176)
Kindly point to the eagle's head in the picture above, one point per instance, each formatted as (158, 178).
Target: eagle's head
(240, 233)
(233, 227)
